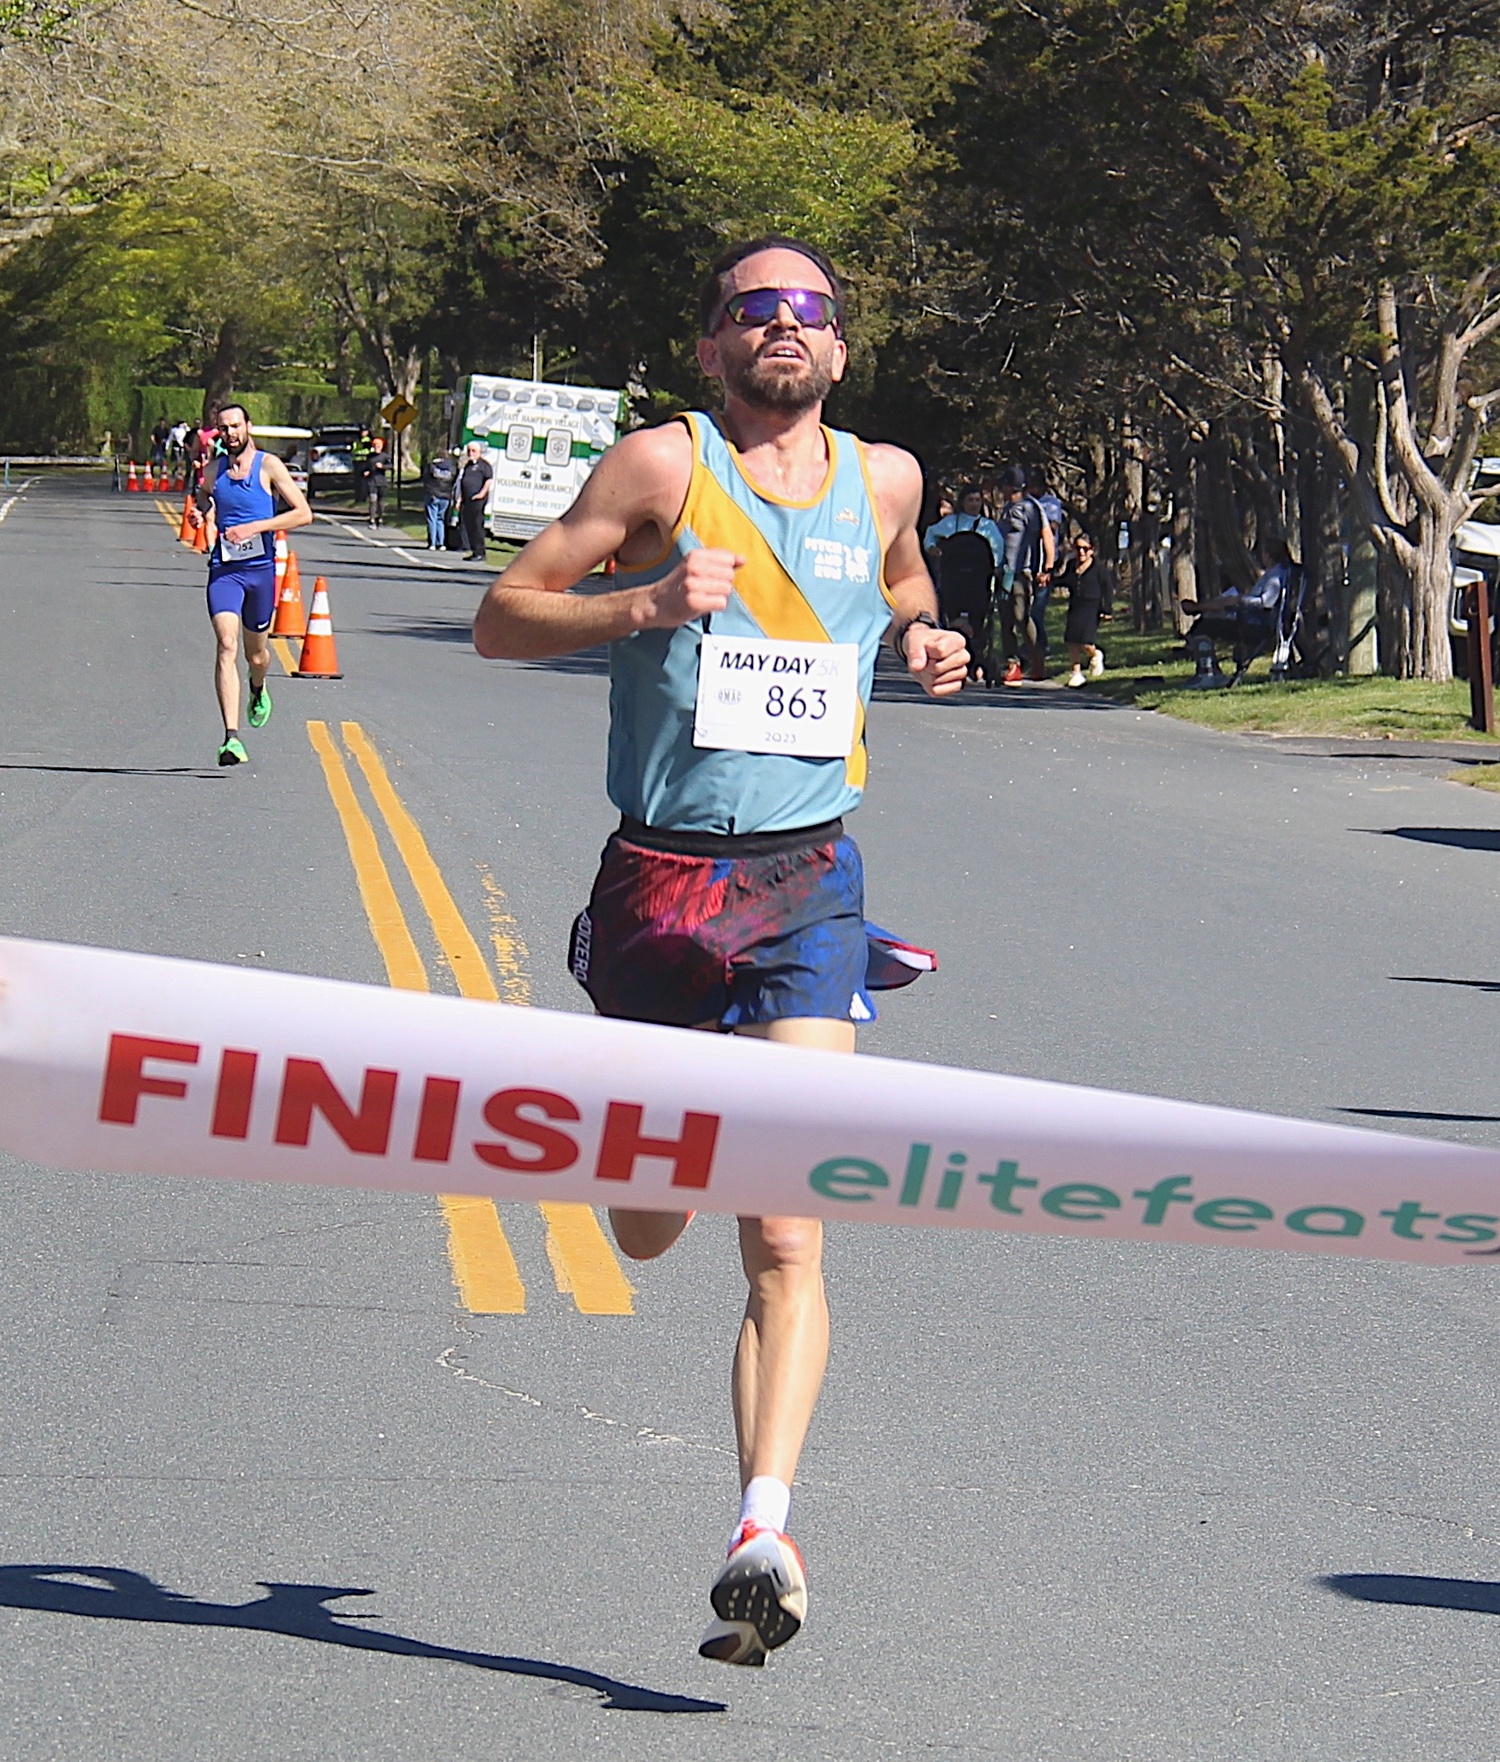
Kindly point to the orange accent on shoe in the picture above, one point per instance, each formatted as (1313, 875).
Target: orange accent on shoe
(747, 1532)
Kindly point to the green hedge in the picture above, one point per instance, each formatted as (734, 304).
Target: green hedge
(61, 409)
(74, 409)
(290, 404)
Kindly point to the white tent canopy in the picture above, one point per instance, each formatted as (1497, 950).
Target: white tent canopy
(1475, 535)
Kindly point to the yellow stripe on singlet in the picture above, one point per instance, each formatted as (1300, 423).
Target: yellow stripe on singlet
(772, 598)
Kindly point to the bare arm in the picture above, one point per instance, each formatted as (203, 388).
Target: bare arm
(938, 659)
(283, 484)
(528, 614)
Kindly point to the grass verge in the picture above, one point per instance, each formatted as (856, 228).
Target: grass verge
(1481, 776)
(1152, 672)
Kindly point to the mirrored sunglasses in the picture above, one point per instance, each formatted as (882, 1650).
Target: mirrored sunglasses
(812, 310)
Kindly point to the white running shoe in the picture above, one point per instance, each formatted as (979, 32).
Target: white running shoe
(1096, 664)
(759, 1597)
(1076, 678)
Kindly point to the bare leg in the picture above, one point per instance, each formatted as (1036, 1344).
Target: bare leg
(783, 1344)
(257, 657)
(645, 1235)
(227, 667)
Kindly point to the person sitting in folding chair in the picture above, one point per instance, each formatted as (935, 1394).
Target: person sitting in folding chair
(1253, 620)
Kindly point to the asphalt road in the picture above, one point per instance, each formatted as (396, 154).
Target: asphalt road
(274, 1489)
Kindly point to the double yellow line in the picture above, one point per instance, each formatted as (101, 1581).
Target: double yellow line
(584, 1266)
(484, 1267)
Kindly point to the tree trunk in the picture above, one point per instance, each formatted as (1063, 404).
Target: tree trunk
(1184, 562)
(1359, 630)
(1233, 564)
(218, 377)
(1430, 654)
(1134, 481)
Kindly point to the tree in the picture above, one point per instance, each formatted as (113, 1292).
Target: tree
(1378, 238)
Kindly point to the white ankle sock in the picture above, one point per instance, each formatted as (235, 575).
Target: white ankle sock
(767, 1502)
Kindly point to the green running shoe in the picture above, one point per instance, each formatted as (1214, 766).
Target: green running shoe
(260, 708)
(232, 753)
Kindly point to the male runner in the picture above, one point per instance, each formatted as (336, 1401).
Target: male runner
(730, 899)
(241, 487)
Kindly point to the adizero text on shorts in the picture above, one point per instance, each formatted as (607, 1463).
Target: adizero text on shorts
(690, 928)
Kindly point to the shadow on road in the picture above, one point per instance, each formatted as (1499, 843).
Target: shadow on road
(299, 1611)
(204, 775)
(1458, 837)
(1470, 984)
(1409, 1113)
(1476, 1595)
(429, 629)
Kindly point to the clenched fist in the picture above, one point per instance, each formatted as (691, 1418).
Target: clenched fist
(937, 659)
(700, 584)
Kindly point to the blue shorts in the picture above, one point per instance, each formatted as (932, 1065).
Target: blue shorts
(246, 589)
(680, 938)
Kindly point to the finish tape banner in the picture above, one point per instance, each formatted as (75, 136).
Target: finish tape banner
(134, 1064)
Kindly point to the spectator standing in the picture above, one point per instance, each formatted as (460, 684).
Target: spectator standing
(359, 455)
(473, 496)
(1029, 554)
(1055, 516)
(375, 469)
(1091, 586)
(965, 553)
(159, 441)
(439, 481)
(177, 442)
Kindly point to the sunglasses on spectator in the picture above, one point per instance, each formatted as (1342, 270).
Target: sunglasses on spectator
(812, 310)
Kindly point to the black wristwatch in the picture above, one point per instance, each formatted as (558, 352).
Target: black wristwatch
(921, 618)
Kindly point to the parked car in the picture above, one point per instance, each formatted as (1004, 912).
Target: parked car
(332, 453)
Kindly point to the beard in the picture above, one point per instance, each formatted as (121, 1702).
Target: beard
(764, 386)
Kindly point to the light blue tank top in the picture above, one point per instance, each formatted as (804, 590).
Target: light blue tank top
(814, 572)
(236, 503)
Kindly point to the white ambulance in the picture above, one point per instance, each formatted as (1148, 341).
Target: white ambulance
(542, 440)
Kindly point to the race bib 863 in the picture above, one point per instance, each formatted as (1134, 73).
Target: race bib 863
(758, 695)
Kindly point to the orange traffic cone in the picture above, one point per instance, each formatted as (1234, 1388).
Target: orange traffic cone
(320, 658)
(279, 547)
(148, 482)
(130, 482)
(200, 535)
(185, 530)
(291, 614)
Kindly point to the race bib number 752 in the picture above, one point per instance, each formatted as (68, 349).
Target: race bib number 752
(758, 695)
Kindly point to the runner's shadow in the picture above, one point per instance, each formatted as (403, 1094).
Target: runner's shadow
(592, 663)
(299, 1611)
(1412, 1113)
(199, 771)
(1468, 984)
(433, 629)
(1459, 837)
(1476, 1595)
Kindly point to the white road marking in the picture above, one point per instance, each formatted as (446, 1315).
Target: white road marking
(5, 507)
(386, 545)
